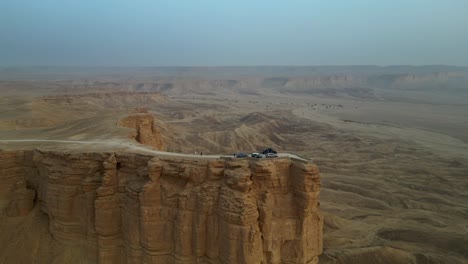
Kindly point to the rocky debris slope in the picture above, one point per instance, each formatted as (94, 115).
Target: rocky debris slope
(130, 208)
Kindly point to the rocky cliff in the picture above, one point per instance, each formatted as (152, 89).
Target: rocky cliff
(132, 208)
(145, 129)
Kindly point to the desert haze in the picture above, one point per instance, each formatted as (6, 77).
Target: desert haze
(136, 165)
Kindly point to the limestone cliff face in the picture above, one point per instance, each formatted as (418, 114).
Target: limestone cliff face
(145, 130)
(130, 208)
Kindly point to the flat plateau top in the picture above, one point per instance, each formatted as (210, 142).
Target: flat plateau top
(104, 146)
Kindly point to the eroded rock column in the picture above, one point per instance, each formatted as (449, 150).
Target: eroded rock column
(306, 186)
(154, 219)
(108, 215)
(240, 238)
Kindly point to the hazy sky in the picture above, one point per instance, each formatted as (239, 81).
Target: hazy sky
(237, 32)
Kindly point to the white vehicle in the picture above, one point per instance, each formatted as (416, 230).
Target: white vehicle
(271, 155)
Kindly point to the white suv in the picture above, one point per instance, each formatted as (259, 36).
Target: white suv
(271, 155)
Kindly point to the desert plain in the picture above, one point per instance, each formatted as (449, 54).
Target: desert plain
(391, 143)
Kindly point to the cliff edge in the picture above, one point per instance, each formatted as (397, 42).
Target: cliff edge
(132, 208)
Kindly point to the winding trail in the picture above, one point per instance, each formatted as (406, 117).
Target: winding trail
(132, 146)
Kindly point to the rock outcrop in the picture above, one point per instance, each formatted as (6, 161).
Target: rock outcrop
(131, 208)
(13, 187)
(145, 130)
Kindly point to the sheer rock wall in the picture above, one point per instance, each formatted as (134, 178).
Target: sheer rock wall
(130, 208)
(145, 130)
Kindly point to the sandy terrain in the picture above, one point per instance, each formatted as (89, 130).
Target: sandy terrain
(391, 143)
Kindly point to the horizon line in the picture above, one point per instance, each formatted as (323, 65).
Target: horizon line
(232, 66)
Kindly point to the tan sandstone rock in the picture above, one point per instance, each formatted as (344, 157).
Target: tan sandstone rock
(145, 130)
(131, 208)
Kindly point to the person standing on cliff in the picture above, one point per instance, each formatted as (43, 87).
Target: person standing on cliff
(201, 153)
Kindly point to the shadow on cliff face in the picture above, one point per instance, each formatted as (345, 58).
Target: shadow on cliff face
(27, 239)
(146, 129)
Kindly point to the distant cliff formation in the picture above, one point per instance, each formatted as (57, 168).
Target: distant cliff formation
(358, 85)
(131, 208)
(145, 130)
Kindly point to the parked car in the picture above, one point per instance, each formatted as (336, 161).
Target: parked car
(269, 150)
(241, 155)
(256, 155)
(271, 155)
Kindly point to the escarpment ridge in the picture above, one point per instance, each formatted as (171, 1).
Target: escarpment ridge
(144, 130)
(134, 208)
